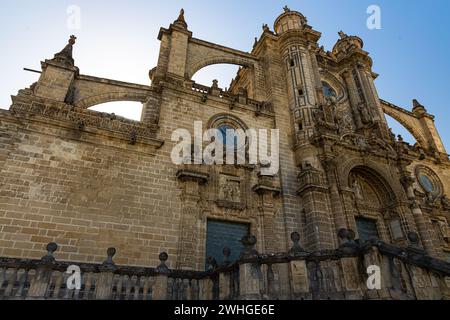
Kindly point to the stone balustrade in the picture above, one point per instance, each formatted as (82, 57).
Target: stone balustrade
(232, 99)
(406, 273)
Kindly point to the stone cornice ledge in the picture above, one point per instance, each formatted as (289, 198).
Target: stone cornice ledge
(186, 174)
(86, 121)
(260, 188)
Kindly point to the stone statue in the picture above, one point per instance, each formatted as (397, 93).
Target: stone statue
(365, 114)
(344, 122)
(286, 9)
(319, 115)
(430, 199)
(391, 135)
(227, 192)
(330, 109)
(445, 201)
(357, 190)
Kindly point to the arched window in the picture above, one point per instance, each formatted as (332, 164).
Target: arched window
(223, 130)
(225, 123)
(328, 90)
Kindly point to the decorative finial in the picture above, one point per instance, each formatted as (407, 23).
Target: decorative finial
(212, 263)
(72, 40)
(181, 21)
(249, 243)
(296, 249)
(162, 268)
(51, 248)
(418, 107)
(286, 9)
(65, 56)
(342, 34)
(347, 241)
(265, 27)
(111, 252)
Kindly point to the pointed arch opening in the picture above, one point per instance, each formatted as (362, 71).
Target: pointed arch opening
(400, 129)
(126, 109)
(223, 73)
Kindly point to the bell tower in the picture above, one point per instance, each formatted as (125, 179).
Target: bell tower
(303, 91)
(296, 38)
(356, 66)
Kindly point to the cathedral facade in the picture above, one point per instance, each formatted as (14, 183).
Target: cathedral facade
(88, 181)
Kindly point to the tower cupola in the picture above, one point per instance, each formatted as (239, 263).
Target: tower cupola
(290, 20)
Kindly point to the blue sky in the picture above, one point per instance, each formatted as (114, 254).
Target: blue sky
(118, 40)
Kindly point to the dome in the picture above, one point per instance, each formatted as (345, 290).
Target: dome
(347, 42)
(289, 20)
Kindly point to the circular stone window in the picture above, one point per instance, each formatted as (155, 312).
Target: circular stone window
(428, 180)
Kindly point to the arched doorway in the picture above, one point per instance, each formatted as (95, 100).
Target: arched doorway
(374, 216)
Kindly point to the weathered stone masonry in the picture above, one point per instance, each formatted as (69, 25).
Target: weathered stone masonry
(89, 181)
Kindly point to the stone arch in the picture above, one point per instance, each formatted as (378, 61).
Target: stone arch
(389, 184)
(407, 120)
(111, 97)
(202, 54)
(373, 201)
(225, 118)
(208, 61)
(377, 181)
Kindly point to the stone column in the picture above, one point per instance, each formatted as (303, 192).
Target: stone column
(420, 222)
(179, 43)
(429, 128)
(190, 181)
(269, 192)
(41, 281)
(373, 103)
(300, 284)
(58, 75)
(424, 229)
(312, 49)
(105, 283)
(250, 275)
(314, 196)
(349, 207)
(353, 96)
(206, 289)
(160, 286)
(329, 165)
